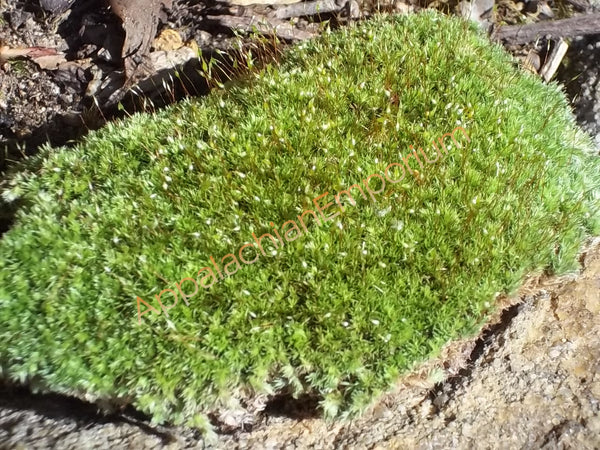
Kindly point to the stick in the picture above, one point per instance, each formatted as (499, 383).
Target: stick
(556, 56)
(575, 26)
(263, 25)
(309, 8)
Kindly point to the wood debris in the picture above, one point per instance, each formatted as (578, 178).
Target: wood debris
(554, 59)
(579, 25)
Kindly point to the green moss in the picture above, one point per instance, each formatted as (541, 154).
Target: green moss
(339, 312)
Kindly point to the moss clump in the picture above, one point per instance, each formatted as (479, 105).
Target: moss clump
(342, 310)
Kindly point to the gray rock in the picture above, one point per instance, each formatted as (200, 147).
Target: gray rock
(56, 6)
(581, 77)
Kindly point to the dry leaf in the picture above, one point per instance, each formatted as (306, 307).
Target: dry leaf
(7, 53)
(168, 40)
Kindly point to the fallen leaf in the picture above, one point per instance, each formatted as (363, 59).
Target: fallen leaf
(50, 62)
(168, 40)
(7, 53)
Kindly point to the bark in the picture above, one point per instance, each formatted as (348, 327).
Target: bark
(281, 29)
(574, 26)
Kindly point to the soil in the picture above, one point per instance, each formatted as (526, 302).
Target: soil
(532, 380)
(59, 98)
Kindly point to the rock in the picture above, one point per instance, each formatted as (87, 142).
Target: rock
(56, 6)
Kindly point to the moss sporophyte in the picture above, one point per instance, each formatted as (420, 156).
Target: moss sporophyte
(290, 231)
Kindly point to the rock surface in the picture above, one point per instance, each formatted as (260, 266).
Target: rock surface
(581, 77)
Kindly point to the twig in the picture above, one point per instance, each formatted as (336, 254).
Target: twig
(575, 26)
(310, 8)
(264, 25)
